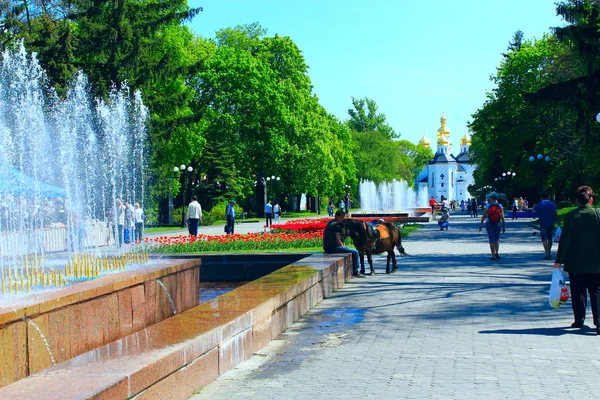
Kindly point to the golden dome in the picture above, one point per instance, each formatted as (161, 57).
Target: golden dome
(443, 128)
(465, 140)
(443, 134)
(424, 142)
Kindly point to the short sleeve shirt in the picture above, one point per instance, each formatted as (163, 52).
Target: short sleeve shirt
(329, 236)
(546, 209)
(268, 208)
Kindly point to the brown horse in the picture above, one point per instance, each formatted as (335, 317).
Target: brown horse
(385, 237)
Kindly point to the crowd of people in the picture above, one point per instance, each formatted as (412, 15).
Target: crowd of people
(128, 219)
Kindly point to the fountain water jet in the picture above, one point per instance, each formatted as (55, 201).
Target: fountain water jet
(63, 162)
(391, 196)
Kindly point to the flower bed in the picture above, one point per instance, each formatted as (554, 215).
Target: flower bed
(250, 241)
(317, 224)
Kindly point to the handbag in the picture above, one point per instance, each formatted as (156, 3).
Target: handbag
(559, 293)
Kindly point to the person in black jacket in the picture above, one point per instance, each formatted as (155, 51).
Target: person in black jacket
(579, 251)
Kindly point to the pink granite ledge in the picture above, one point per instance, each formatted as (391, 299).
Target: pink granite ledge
(198, 344)
(35, 304)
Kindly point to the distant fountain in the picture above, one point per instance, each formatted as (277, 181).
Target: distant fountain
(63, 162)
(392, 196)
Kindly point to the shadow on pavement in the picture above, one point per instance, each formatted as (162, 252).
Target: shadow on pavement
(586, 331)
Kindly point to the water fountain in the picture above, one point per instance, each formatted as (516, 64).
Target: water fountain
(63, 162)
(389, 197)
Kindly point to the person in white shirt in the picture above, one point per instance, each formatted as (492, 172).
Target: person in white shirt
(138, 218)
(277, 212)
(120, 219)
(194, 215)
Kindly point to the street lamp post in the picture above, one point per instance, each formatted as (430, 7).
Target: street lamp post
(539, 161)
(261, 182)
(171, 207)
(273, 179)
(182, 170)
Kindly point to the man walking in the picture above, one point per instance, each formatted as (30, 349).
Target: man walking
(474, 205)
(194, 215)
(546, 211)
(579, 252)
(230, 215)
(120, 220)
(515, 209)
(432, 204)
(138, 217)
(332, 241)
(347, 202)
(268, 213)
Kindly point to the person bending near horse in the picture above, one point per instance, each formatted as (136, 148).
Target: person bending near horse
(332, 241)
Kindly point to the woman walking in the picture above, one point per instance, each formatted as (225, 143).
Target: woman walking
(579, 251)
(493, 216)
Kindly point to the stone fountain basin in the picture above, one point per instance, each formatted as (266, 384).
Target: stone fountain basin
(186, 351)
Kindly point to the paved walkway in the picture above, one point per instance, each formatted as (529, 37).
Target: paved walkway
(450, 324)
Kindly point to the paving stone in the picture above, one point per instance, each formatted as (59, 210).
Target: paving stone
(449, 324)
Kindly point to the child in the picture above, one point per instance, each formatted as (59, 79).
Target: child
(443, 222)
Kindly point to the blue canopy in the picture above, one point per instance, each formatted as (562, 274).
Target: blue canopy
(16, 183)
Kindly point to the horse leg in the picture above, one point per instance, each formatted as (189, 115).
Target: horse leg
(394, 264)
(370, 258)
(362, 261)
(387, 264)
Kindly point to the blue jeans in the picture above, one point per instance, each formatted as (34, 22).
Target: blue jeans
(342, 249)
(193, 226)
(493, 231)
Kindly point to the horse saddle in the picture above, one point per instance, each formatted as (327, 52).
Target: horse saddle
(377, 232)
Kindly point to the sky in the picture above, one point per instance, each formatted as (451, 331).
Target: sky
(417, 59)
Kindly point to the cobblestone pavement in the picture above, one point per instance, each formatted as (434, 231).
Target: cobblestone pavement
(449, 324)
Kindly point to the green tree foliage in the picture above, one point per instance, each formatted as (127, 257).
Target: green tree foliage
(413, 158)
(262, 118)
(377, 158)
(510, 127)
(365, 118)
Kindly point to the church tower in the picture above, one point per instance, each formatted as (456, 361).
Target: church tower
(443, 137)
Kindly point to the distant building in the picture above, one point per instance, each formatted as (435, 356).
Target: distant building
(447, 175)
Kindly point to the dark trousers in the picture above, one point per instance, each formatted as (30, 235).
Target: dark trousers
(579, 284)
(193, 226)
(515, 215)
(474, 212)
(120, 232)
(269, 219)
(230, 225)
(139, 229)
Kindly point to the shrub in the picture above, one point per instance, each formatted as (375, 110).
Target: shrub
(218, 211)
(565, 204)
(207, 218)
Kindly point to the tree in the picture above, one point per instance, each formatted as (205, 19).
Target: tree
(365, 118)
(511, 126)
(413, 159)
(377, 158)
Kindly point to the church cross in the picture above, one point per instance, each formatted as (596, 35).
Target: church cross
(442, 176)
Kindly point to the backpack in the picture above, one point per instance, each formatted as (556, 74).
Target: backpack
(494, 213)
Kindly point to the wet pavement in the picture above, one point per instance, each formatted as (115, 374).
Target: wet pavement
(449, 324)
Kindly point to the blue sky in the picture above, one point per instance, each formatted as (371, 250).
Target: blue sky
(416, 59)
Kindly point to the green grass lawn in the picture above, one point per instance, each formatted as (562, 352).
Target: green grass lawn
(157, 229)
(561, 215)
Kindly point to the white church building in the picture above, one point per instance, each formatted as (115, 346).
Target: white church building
(447, 175)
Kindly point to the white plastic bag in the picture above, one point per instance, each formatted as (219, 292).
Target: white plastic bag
(559, 293)
(557, 235)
